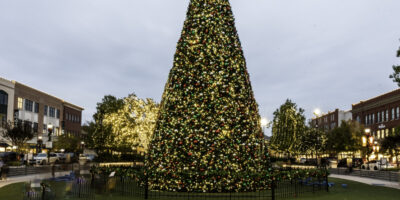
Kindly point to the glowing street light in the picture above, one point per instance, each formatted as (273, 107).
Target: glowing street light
(264, 122)
(317, 112)
(364, 141)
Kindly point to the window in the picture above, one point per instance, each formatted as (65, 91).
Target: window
(3, 98)
(44, 128)
(52, 112)
(45, 110)
(392, 114)
(373, 118)
(36, 107)
(20, 103)
(378, 115)
(383, 116)
(397, 113)
(326, 119)
(58, 113)
(332, 117)
(358, 119)
(387, 132)
(366, 119)
(28, 105)
(387, 115)
(35, 127)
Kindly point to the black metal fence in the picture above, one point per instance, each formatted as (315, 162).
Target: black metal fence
(375, 174)
(41, 193)
(82, 189)
(86, 188)
(282, 189)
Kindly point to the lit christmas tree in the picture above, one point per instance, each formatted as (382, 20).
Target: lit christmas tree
(208, 135)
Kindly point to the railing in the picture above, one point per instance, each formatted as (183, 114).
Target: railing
(85, 189)
(381, 175)
(82, 189)
(130, 187)
(29, 170)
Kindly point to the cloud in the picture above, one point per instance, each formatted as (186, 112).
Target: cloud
(326, 54)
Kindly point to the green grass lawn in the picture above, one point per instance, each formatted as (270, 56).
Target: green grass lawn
(354, 191)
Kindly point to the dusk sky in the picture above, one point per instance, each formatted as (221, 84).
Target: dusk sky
(320, 54)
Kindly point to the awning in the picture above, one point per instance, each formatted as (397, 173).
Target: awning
(3, 144)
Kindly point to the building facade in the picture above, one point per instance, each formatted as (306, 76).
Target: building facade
(331, 120)
(49, 116)
(7, 89)
(380, 114)
(72, 119)
(6, 108)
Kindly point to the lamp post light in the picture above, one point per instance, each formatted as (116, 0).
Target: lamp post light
(317, 112)
(264, 124)
(82, 145)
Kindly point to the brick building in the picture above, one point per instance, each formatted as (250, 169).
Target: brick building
(381, 114)
(41, 110)
(72, 119)
(331, 120)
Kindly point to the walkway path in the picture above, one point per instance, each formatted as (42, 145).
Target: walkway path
(28, 178)
(368, 181)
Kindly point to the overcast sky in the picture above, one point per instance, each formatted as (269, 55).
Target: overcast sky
(320, 54)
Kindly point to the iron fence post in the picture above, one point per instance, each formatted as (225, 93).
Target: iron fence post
(43, 192)
(273, 189)
(146, 188)
(327, 183)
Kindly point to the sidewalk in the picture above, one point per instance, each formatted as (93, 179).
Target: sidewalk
(368, 181)
(29, 178)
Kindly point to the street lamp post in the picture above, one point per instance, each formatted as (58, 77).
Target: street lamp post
(39, 144)
(50, 132)
(367, 142)
(82, 145)
(264, 124)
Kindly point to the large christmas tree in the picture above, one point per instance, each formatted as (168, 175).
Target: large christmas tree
(208, 135)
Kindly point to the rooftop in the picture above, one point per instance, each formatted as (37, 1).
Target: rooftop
(377, 98)
(62, 100)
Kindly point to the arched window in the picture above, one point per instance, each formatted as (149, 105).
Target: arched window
(3, 106)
